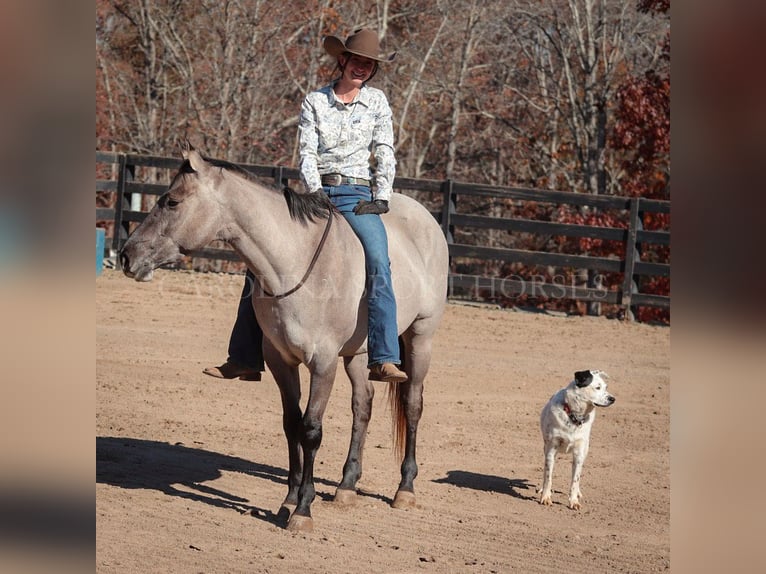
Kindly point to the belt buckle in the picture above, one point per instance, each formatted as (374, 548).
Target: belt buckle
(333, 179)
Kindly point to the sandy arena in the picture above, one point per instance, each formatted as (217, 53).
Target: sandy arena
(191, 470)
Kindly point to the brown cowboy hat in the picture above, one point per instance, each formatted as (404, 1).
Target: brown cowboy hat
(362, 42)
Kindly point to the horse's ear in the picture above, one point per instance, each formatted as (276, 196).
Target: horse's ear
(195, 160)
(186, 147)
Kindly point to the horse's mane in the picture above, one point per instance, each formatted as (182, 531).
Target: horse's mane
(303, 207)
(307, 206)
(227, 165)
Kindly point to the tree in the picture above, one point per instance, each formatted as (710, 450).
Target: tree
(578, 52)
(642, 137)
(562, 94)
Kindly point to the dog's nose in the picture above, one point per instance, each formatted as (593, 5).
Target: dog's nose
(610, 399)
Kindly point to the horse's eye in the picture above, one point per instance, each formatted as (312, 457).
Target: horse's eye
(172, 203)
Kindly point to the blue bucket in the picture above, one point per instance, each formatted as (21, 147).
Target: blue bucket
(100, 240)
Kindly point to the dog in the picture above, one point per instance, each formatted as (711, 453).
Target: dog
(566, 421)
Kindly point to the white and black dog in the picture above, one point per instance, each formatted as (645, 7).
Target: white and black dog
(565, 422)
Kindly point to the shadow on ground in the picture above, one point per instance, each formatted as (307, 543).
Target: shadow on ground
(487, 483)
(136, 463)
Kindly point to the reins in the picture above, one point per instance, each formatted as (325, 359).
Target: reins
(311, 265)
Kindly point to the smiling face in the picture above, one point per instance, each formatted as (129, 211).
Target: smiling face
(356, 69)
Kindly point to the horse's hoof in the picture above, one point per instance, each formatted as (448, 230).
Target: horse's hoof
(283, 515)
(345, 497)
(288, 507)
(404, 499)
(299, 523)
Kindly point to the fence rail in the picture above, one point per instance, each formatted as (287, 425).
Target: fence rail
(626, 295)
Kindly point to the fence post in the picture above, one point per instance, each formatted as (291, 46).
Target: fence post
(448, 208)
(636, 279)
(631, 256)
(122, 203)
(279, 178)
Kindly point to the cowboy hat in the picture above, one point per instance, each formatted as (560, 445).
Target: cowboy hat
(362, 42)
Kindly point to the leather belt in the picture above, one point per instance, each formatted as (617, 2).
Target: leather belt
(335, 179)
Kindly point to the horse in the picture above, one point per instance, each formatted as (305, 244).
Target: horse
(309, 298)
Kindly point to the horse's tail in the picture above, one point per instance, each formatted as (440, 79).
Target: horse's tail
(398, 418)
(398, 414)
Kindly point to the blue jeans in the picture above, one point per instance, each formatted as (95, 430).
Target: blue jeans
(382, 334)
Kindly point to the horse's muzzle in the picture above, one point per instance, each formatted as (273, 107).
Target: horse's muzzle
(141, 273)
(124, 262)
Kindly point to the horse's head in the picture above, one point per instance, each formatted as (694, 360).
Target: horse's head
(186, 217)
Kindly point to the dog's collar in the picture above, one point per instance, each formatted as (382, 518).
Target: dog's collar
(577, 421)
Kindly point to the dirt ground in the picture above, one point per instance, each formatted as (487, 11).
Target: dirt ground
(191, 471)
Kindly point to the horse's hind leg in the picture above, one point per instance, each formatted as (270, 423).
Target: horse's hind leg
(362, 393)
(407, 406)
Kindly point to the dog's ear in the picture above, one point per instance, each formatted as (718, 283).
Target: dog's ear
(583, 378)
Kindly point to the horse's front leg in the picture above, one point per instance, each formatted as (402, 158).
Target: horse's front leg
(321, 385)
(362, 393)
(289, 383)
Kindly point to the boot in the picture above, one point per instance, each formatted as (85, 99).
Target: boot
(387, 373)
(231, 370)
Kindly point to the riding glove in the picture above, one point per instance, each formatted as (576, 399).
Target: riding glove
(366, 207)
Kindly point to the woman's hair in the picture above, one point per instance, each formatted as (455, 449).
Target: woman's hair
(347, 55)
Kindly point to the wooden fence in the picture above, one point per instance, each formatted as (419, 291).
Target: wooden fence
(443, 198)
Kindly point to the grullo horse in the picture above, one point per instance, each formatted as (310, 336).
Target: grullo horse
(309, 298)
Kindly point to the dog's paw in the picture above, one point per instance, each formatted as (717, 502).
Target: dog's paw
(574, 504)
(546, 500)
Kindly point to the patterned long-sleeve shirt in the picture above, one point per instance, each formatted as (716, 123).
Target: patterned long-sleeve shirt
(343, 138)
